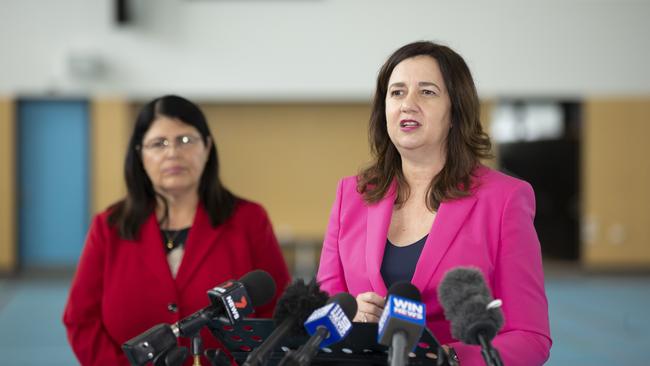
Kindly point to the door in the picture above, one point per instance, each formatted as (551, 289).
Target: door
(52, 181)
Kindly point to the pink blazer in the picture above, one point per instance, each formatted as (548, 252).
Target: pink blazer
(492, 229)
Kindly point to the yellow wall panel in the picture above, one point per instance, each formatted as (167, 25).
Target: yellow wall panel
(111, 123)
(289, 157)
(8, 252)
(616, 181)
(487, 106)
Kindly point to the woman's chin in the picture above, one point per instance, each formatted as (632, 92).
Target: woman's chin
(177, 186)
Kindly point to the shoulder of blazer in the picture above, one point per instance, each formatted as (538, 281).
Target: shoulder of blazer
(491, 182)
(100, 225)
(348, 184)
(246, 209)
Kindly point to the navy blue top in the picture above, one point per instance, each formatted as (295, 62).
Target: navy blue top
(399, 262)
(173, 239)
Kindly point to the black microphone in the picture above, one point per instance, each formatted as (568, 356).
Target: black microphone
(402, 322)
(232, 299)
(292, 310)
(474, 315)
(327, 325)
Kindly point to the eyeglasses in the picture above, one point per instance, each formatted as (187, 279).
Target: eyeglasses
(159, 145)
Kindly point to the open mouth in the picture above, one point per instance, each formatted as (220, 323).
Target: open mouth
(409, 123)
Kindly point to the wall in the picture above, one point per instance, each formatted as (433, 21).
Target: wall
(111, 123)
(7, 185)
(290, 157)
(616, 176)
(320, 49)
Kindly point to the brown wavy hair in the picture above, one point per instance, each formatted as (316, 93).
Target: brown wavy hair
(467, 143)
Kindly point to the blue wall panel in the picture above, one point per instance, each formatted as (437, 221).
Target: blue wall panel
(53, 181)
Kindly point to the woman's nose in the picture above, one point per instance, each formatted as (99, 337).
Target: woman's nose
(408, 104)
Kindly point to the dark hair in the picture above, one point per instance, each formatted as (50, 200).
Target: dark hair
(466, 142)
(130, 213)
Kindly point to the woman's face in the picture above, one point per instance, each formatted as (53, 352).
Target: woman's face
(418, 109)
(174, 155)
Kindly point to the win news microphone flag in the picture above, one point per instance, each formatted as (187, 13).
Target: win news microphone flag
(327, 325)
(232, 299)
(402, 322)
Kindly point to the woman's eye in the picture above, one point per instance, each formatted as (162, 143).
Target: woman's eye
(428, 92)
(158, 144)
(396, 93)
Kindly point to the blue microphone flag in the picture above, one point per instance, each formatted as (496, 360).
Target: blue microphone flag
(334, 319)
(401, 313)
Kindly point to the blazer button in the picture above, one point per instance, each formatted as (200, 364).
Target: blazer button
(173, 308)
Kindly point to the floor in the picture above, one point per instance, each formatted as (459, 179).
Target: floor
(596, 319)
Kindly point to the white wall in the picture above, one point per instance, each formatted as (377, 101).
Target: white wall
(322, 49)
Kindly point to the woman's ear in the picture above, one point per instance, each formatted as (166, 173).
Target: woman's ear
(208, 143)
(208, 146)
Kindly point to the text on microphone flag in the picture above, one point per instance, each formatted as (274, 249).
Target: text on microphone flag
(408, 308)
(334, 319)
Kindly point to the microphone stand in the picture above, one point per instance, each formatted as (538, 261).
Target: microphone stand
(303, 355)
(217, 357)
(397, 352)
(197, 348)
(444, 359)
(490, 354)
(256, 358)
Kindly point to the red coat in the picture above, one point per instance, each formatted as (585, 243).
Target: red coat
(122, 287)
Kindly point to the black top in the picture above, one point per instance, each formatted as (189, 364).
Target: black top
(174, 238)
(399, 262)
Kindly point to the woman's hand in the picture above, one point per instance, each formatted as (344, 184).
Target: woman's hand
(369, 307)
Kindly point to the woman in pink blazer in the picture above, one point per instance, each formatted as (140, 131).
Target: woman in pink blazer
(426, 205)
(151, 257)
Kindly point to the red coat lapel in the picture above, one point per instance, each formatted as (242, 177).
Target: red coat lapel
(200, 241)
(154, 252)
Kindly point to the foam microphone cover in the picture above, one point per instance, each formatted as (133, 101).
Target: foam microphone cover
(403, 312)
(297, 302)
(347, 302)
(406, 290)
(260, 287)
(464, 297)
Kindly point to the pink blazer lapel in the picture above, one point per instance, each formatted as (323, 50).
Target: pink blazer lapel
(450, 218)
(378, 222)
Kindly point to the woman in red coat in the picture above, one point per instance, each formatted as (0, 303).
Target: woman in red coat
(151, 257)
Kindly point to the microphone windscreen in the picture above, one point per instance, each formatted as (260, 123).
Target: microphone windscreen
(297, 302)
(464, 297)
(404, 313)
(347, 303)
(260, 286)
(405, 289)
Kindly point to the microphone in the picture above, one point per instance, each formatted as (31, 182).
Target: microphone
(327, 325)
(150, 346)
(402, 322)
(293, 308)
(234, 299)
(474, 315)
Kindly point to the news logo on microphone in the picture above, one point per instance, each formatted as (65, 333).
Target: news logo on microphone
(401, 313)
(233, 297)
(334, 319)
